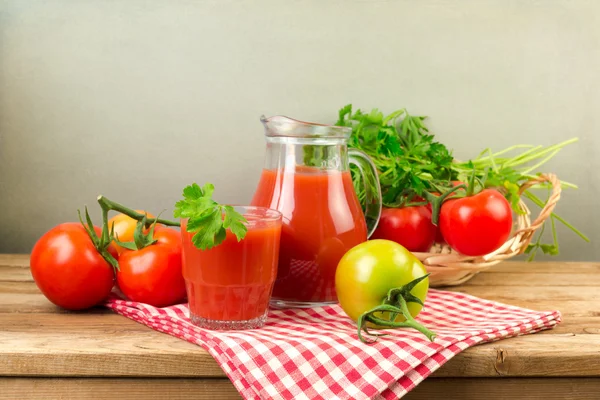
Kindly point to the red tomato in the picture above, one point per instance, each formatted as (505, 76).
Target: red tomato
(153, 274)
(409, 226)
(439, 238)
(476, 225)
(68, 269)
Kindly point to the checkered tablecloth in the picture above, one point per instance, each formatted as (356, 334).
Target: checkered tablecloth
(315, 353)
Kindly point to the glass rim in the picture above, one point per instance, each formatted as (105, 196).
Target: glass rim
(262, 214)
(270, 214)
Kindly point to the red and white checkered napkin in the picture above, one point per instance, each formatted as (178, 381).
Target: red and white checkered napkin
(315, 353)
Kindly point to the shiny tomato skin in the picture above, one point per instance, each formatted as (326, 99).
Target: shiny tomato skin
(168, 236)
(476, 225)
(439, 238)
(124, 228)
(153, 275)
(409, 226)
(369, 270)
(68, 269)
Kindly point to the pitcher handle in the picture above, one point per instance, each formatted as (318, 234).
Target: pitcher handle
(372, 188)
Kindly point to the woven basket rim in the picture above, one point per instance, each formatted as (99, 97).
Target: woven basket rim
(448, 267)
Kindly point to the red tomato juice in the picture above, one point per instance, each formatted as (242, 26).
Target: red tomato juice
(232, 281)
(322, 220)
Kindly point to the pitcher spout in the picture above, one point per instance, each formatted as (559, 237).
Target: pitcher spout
(280, 125)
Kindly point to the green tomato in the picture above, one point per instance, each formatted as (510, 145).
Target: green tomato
(367, 272)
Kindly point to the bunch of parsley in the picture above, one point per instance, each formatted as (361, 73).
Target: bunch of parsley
(409, 162)
(407, 157)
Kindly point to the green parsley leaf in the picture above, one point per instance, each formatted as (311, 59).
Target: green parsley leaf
(207, 219)
(235, 222)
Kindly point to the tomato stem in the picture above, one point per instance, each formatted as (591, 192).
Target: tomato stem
(100, 243)
(437, 201)
(109, 205)
(394, 304)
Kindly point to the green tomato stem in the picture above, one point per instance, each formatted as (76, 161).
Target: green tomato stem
(394, 304)
(409, 323)
(437, 201)
(107, 205)
(100, 243)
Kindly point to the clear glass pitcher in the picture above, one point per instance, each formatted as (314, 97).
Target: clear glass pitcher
(307, 178)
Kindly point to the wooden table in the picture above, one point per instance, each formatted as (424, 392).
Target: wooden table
(48, 353)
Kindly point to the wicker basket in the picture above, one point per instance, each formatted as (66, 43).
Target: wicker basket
(449, 268)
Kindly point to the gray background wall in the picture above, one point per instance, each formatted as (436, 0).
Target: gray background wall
(135, 99)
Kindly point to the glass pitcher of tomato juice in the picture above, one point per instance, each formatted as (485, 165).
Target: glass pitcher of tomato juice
(307, 178)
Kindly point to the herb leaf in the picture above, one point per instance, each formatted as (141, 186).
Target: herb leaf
(235, 222)
(207, 219)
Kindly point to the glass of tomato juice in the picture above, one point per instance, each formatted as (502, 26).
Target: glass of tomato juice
(229, 286)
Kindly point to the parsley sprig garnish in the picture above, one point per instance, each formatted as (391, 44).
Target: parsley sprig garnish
(207, 219)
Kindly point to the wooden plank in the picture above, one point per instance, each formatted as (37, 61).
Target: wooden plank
(38, 304)
(17, 260)
(16, 268)
(95, 345)
(15, 274)
(39, 339)
(529, 356)
(535, 278)
(507, 388)
(576, 326)
(217, 389)
(531, 293)
(570, 301)
(19, 287)
(28, 303)
(110, 389)
(111, 345)
(31, 303)
(100, 322)
(24, 297)
(520, 267)
(553, 267)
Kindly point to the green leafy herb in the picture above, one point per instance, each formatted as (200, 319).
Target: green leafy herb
(207, 219)
(411, 163)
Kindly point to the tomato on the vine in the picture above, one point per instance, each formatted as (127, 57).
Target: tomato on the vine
(153, 274)
(69, 270)
(124, 228)
(476, 225)
(369, 270)
(409, 226)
